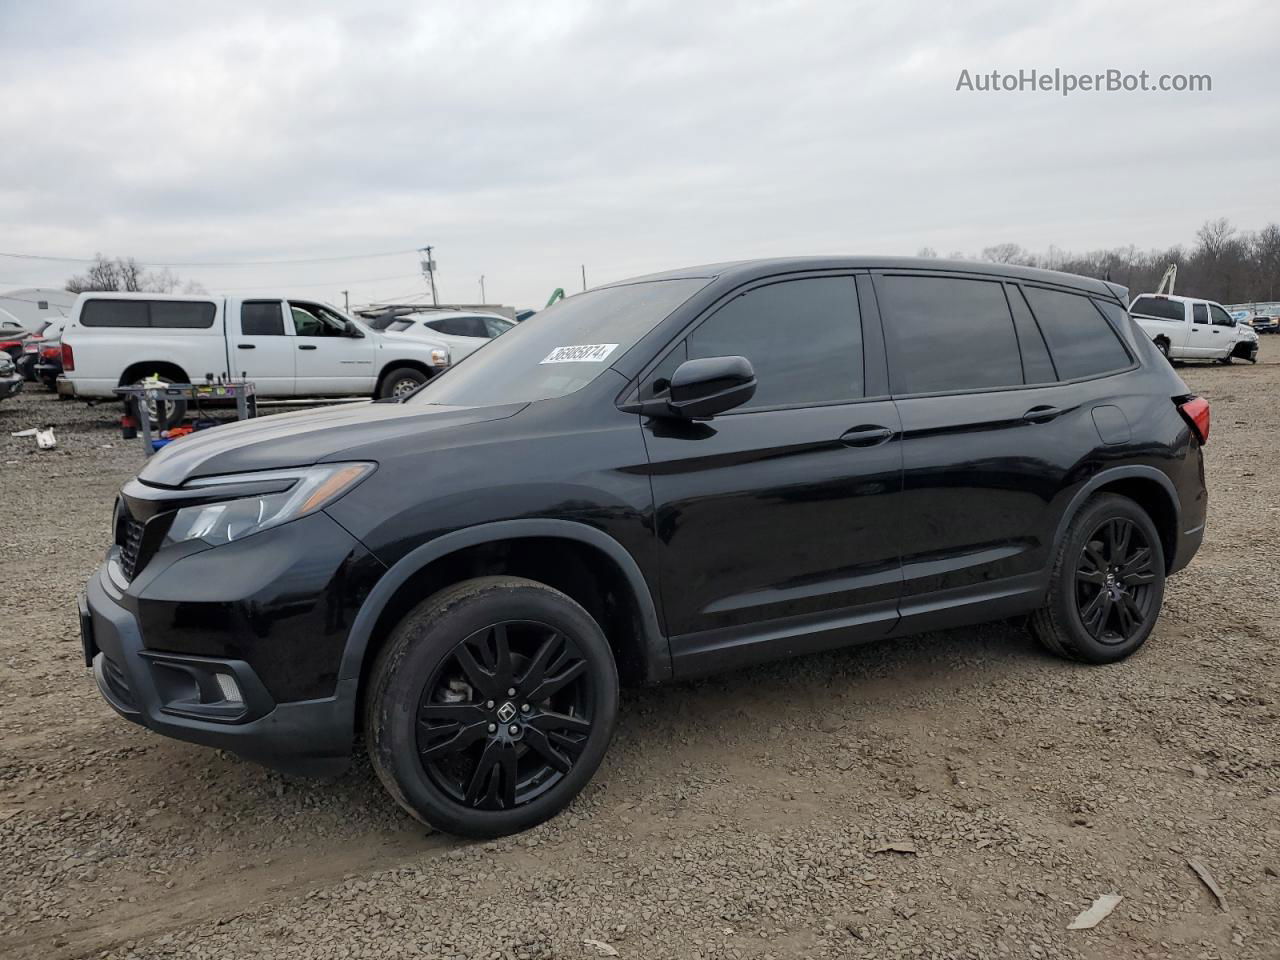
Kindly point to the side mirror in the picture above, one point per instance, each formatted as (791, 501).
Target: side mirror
(700, 389)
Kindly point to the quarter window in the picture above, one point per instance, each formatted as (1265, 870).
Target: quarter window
(947, 334)
(803, 337)
(1082, 342)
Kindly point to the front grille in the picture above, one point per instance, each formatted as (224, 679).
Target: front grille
(117, 683)
(131, 545)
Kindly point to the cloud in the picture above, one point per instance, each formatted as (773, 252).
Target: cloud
(523, 140)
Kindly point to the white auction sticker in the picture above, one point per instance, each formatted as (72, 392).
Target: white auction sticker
(588, 352)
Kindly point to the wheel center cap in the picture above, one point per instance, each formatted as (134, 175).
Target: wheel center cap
(506, 712)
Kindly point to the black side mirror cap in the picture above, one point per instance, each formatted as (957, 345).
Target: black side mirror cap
(701, 389)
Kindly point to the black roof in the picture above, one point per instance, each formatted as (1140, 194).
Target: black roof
(743, 270)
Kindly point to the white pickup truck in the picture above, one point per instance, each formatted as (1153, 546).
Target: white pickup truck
(1185, 328)
(288, 347)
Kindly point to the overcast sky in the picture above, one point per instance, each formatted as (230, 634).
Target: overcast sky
(524, 139)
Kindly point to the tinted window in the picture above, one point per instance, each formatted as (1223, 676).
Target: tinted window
(803, 337)
(948, 334)
(1158, 307)
(397, 326)
(115, 313)
(171, 313)
(148, 313)
(1081, 340)
(495, 327)
(1036, 365)
(262, 318)
(535, 361)
(1199, 313)
(1221, 318)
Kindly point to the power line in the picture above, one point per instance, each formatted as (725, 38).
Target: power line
(215, 263)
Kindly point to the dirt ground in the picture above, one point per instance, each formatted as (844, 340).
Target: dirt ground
(739, 817)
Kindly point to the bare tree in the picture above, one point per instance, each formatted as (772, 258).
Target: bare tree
(1007, 253)
(125, 274)
(928, 252)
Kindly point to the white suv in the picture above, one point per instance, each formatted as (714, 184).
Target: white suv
(462, 333)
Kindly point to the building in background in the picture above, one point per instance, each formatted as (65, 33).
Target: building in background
(33, 307)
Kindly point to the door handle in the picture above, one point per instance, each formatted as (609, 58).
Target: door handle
(307, 346)
(867, 435)
(246, 346)
(1042, 414)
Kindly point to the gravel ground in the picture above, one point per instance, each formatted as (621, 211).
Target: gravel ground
(739, 817)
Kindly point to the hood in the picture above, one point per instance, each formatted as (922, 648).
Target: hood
(306, 437)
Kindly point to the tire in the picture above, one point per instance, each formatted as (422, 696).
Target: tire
(1068, 624)
(1163, 346)
(449, 741)
(164, 414)
(402, 381)
(1226, 359)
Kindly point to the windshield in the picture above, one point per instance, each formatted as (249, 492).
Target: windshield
(382, 321)
(563, 348)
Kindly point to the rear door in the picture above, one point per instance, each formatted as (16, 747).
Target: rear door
(260, 345)
(991, 437)
(1202, 336)
(331, 360)
(777, 521)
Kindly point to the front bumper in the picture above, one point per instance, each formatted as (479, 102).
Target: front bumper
(9, 387)
(181, 695)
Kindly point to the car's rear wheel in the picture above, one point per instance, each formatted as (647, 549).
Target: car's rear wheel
(491, 706)
(163, 414)
(1107, 583)
(1163, 346)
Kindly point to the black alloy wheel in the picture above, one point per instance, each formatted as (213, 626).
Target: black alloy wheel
(1114, 577)
(506, 715)
(1106, 585)
(490, 706)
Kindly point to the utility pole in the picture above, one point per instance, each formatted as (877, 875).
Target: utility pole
(429, 270)
(584, 276)
(346, 301)
(482, 299)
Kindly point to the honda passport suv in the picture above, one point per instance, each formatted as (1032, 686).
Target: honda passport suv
(649, 481)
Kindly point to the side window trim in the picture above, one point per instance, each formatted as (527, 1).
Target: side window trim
(632, 392)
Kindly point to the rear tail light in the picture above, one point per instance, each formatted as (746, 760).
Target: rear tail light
(68, 358)
(51, 353)
(1196, 412)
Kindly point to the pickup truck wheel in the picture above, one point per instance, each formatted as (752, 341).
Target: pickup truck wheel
(1107, 584)
(402, 381)
(1163, 346)
(164, 414)
(1226, 359)
(491, 706)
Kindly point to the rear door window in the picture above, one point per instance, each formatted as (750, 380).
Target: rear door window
(1081, 341)
(1199, 313)
(948, 334)
(262, 318)
(1037, 367)
(803, 338)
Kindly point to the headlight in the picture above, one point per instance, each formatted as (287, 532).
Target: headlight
(309, 489)
(439, 358)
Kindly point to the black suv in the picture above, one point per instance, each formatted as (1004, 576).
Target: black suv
(649, 481)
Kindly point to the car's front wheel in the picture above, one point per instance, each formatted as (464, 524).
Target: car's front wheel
(491, 706)
(1107, 583)
(402, 381)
